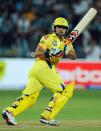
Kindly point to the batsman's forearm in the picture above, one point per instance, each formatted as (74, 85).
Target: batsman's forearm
(71, 54)
(72, 57)
(42, 55)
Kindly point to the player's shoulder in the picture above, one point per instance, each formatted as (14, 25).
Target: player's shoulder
(46, 37)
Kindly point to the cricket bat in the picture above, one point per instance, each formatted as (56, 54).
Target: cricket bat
(88, 17)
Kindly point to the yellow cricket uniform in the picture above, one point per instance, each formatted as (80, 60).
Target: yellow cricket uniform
(43, 74)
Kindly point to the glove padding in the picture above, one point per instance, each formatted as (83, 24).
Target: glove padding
(54, 55)
(54, 59)
(56, 52)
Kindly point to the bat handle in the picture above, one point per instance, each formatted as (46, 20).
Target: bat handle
(66, 49)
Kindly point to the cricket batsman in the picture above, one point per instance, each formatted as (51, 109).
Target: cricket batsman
(49, 52)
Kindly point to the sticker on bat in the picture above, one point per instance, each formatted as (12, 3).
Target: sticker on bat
(72, 36)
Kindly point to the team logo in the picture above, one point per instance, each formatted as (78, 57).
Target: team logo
(54, 43)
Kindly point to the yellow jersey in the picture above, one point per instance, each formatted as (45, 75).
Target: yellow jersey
(52, 42)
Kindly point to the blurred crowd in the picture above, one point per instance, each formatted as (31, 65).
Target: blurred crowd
(24, 22)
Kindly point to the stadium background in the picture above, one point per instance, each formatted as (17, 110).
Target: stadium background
(22, 23)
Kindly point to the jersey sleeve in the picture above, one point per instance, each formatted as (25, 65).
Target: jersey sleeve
(44, 42)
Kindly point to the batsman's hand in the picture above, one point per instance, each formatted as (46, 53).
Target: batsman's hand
(54, 59)
(56, 52)
(55, 55)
